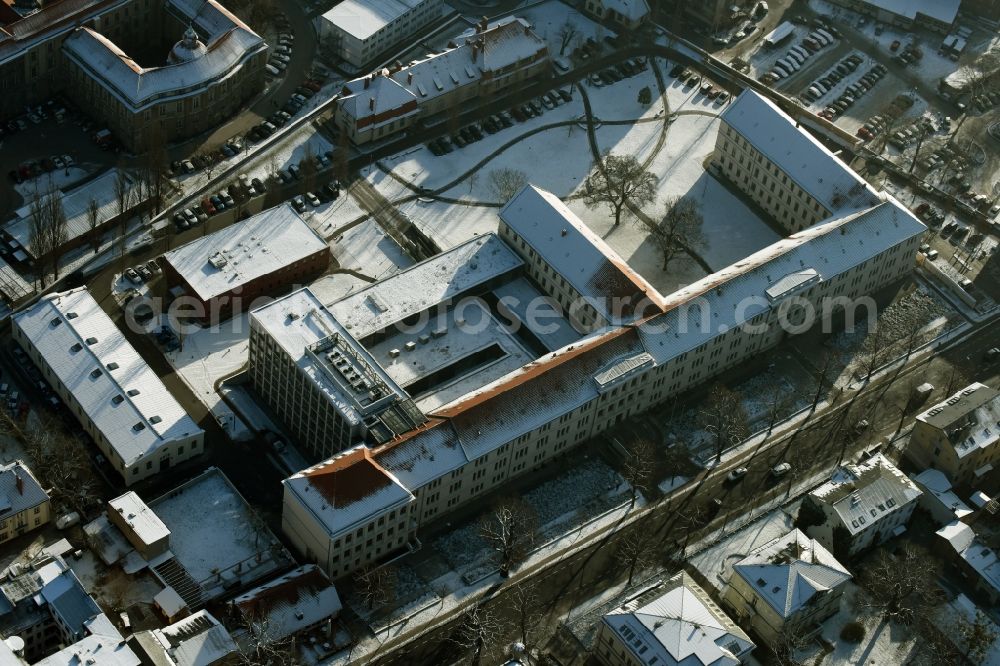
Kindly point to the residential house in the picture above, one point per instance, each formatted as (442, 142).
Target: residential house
(792, 583)
(24, 504)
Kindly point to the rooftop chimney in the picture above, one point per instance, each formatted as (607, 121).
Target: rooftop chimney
(409, 78)
(475, 51)
(371, 104)
(368, 81)
(19, 482)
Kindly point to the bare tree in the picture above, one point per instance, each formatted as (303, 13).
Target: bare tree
(156, 163)
(260, 643)
(525, 605)
(822, 378)
(477, 630)
(94, 223)
(636, 550)
(376, 585)
(47, 230)
(790, 639)
(903, 586)
(778, 401)
(639, 466)
(679, 230)
(510, 530)
(975, 637)
(506, 182)
(566, 34)
(307, 165)
(873, 350)
(619, 181)
(724, 418)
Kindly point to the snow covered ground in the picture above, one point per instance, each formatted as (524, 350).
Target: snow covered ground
(715, 563)
(61, 179)
(556, 23)
(732, 230)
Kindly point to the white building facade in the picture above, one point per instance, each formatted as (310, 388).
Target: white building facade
(359, 30)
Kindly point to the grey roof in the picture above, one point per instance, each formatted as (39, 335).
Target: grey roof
(970, 419)
(797, 153)
(14, 501)
(864, 494)
(791, 570)
(290, 603)
(66, 597)
(677, 623)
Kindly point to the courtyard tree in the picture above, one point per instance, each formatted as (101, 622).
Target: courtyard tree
(902, 587)
(525, 606)
(509, 530)
(261, 642)
(645, 96)
(566, 34)
(974, 636)
(619, 181)
(679, 230)
(724, 418)
(307, 165)
(376, 586)
(506, 182)
(47, 230)
(154, 168)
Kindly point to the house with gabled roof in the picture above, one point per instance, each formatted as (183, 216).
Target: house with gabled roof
(673, 623)
(790, 583)
(960, 435)
(864, 505)
(293, 603)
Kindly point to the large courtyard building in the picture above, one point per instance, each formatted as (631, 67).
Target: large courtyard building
(486, 61)
(783, 169)
(490, 403)
(146, 69)
(938, 15)
(215, 68)
(117, 398)
(359, 30)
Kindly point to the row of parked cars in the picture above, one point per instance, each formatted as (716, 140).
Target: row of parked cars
(854, 92)
(329, 192)
(797, 55)
(33, 169)
(707, 88)
(282, 117)
(281, 54)
(620, 71)
(824, 84)
(986, 101)
(18, 405)
(143, 272)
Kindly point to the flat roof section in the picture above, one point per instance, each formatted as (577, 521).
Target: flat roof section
(363, 18)
(446, 359)
(425, 285)
(260, 245)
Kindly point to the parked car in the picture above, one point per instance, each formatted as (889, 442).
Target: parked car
(780, 470)
(299, 203)
(312, 199)
(737, 474)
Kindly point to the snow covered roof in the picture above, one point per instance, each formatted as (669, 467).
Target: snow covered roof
(146, 525)
(935, 484)
(791, 570)
(116, 389)
(504, 43)
(462, 270)
(944, 11)
(970, 419)
(633, 10)
(75, 204)
(576, 253)
(738, 293)
(797, 153)
(19, 491)
(363, 18)
(980, 557)
(290, 603)
(249, 250)
(347, 489)
(299, 323)
(197, 640)
(139, 86)
(53, 19)
(678, 625)
(865, 493)
(102, 645)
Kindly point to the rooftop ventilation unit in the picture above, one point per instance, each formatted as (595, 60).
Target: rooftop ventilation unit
(393, 353)
(410, 346)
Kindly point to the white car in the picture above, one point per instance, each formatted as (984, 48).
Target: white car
(68, 161)
(737, 474)
(312, 199)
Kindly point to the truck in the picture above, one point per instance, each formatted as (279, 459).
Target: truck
(779, 34)
(103, 137)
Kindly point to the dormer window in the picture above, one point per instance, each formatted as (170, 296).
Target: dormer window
(118, 399)
(55, 322)
(91, 341)
(154, 419)
(76, 347)
(71, 315)
(139, 427)
(112, 366)
(133, 392)
(95, 373)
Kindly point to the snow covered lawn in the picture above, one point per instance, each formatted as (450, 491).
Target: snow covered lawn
(61, 179)
(368, 250)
